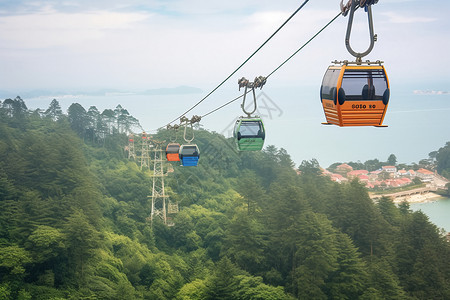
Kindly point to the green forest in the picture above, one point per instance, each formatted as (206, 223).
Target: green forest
(74, 221)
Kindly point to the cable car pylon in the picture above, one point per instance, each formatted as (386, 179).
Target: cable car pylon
(145, 151)
(130, 148)
(160, 203)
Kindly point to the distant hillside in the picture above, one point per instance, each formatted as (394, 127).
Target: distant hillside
(49, 93)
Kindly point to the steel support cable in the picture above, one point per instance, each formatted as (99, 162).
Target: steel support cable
(234, 72)
(222, 106)
(277, 68)
(323, 28)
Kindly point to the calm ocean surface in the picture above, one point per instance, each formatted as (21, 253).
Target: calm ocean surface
(438, 211)
(293, 117)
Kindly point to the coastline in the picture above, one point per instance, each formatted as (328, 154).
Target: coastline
(418, 198)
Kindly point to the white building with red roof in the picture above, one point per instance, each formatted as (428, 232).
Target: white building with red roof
(357, 173)
(424, 174)
(374, 174)
(338, 178)
(405, 180)
(389, 169)
(402, 172)
(363, 177)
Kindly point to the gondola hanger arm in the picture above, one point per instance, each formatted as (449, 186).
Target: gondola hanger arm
(184, 120)
(184, 135)
(259, 82)
(345, 8)
(175, 128)
(352, 6)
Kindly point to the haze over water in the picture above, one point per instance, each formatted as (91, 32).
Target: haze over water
(417, 123)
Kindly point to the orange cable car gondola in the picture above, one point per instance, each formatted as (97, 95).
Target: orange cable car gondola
(172, 152)
(356, 93)
(173, 148)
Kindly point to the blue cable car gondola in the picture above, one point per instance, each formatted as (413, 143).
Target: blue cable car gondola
(189, 154)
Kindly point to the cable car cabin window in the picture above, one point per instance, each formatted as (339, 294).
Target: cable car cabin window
(329, 81)
(189, 151)
(173, 148)
(364, 84)
(250, 129)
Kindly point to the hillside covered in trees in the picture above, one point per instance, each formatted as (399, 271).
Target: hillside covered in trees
(74, 221)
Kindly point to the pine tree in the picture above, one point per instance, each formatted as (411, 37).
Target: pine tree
(78, 118)
(54, 111)
(82, 239)
(245, 242)
(223, 283)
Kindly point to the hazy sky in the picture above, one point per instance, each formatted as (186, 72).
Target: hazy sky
(143, 44)
(149, 44)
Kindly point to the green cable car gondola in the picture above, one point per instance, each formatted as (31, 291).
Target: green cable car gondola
(249, 134)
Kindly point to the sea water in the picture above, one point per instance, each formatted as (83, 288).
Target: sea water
(417, 122)
(438, 211)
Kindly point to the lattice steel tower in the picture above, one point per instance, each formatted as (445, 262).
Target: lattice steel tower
(158, 192)
(145, 151)
(130, 147)
(161, 205)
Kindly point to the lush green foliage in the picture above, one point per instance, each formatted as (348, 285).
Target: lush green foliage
(443, 160)
(73, 223)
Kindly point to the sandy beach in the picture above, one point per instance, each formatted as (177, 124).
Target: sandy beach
(418, 198)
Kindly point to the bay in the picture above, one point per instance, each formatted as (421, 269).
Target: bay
(438, 211)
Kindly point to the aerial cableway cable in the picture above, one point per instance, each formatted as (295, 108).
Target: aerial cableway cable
(277, 68)
(304, 45)
(222, 106)
(229, 76)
